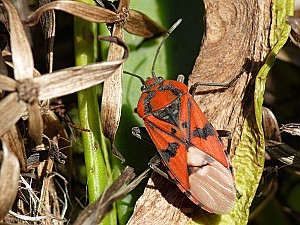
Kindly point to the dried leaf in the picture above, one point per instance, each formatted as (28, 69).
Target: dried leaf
(48, 26)
(295, 33)
(140, 24)
(78, 78)
(14, 142)
(11, 110)
(82, 10)
(20, 48)
(291, 128)
(35, 129)
(7, 84)
(284, 153)
(94, 213)
(270, 125)
(74, 79)
(9, 176)
(112, 89)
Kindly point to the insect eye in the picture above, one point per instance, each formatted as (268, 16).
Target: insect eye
(143, 88)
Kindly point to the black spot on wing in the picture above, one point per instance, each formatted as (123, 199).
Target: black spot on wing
(208, 130)
(173, 131)
(147, 104)
(184, 124)
(189, 170)
(170, 113)
(170, 152)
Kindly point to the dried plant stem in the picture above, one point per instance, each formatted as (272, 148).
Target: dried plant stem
(95, 150)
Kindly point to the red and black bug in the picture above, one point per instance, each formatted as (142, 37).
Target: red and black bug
(189, 146)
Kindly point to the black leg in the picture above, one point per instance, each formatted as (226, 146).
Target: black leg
(224, 85)
(154, 161)
(141, 133)
(226, 133)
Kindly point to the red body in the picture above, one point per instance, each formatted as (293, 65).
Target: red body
(189, 146)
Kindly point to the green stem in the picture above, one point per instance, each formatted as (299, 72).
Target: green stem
(95, 150)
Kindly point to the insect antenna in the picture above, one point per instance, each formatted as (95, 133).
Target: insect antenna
(161, 43)
(132, 74)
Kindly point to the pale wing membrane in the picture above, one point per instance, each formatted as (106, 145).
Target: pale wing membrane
(210, 182)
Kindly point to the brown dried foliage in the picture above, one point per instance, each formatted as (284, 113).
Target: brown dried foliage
(26, 95)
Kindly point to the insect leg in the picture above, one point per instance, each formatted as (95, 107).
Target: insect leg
(154, 161)
(141, 133)
(223, 85)
(226, 133)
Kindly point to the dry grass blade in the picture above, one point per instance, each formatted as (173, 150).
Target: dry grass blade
(140, 24)
(82, 10)
(94, 213)
(11, 110)
(20, 48)
(7, 84)
(74, 79)
(9, 176)
(14, 142)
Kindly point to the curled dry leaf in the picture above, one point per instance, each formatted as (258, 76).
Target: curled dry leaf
(82, 10)
(295, 32)
(14, 142)
(7, 84)
(291, 128)
(11, 110)
(284, 153)
(9, 176)
(20, 48)
(93, 214)
(112, 89)
(140, 24)
(35, 129)
(270, 125)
